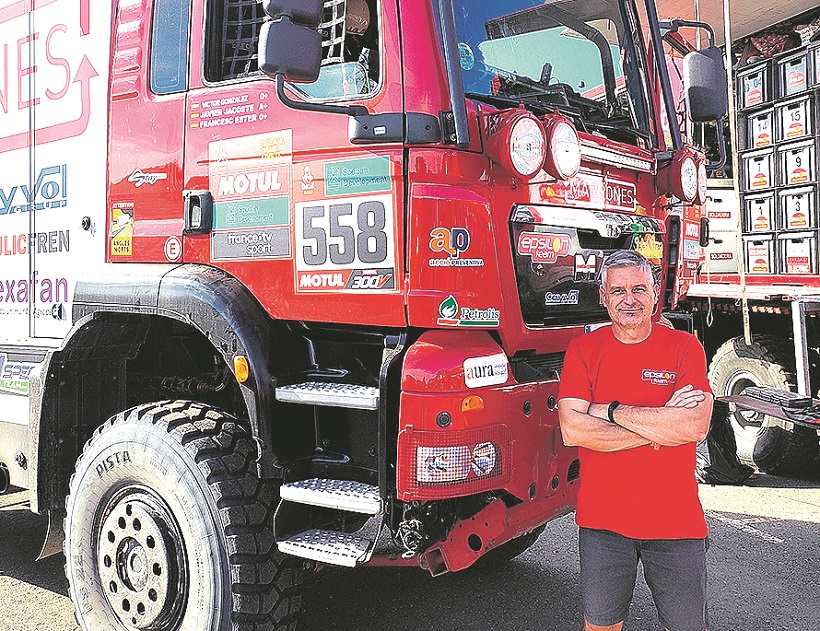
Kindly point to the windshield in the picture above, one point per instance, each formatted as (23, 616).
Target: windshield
(581, 57)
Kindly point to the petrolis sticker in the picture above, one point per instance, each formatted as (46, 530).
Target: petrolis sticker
(452, 242)
(543, 247)
(14, 376)
(486, 371)
(658, 377)
(346, 245)
(451, 314)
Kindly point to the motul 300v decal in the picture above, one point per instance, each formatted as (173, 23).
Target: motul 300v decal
(345, 245)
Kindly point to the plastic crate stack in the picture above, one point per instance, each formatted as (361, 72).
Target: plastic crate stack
(779, 149)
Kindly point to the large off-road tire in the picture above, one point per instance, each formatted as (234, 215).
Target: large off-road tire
(764, 442)
(168, 527)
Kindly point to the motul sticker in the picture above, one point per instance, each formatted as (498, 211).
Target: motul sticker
(346, 245)
(543, 247)
(486, 371)
(451, 314)
(356, 279)
(691, 229)
(250, 181)
(453, 242)
(658, 377)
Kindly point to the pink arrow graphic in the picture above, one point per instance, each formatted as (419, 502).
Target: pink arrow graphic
(60, 131)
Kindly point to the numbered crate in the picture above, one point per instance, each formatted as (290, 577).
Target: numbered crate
(758, 169)
(759, 213)
(798, 253)
(797, 209)
(796, 163)
(759, 252)
(759, 129)
(793, 74)
(794, 119)
(754, 85)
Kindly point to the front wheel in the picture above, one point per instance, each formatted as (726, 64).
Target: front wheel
(168, 527)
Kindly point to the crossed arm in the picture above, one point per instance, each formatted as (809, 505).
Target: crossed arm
(682, 419)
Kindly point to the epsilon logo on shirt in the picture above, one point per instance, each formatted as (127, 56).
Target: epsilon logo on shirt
(658, 377)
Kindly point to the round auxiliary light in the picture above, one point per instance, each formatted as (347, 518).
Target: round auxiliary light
(689, 179)
(564, 155)
(702, 183)
(527, 146)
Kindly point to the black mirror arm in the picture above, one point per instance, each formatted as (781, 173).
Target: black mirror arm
(349, 110)
(672, 26)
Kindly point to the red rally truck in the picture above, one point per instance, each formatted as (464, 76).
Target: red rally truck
(289, 283)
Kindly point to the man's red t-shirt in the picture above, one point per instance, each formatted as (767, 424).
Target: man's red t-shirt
(644, 492)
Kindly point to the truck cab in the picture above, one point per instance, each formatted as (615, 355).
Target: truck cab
(311, 271)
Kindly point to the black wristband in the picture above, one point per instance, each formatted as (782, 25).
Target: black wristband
(611, 410)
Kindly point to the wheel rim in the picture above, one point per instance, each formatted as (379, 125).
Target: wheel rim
(749, 424)
(141, 560)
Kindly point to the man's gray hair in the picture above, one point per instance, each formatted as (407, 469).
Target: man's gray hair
(625, 258)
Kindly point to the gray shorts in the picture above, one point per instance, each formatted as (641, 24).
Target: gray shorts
(675, 571)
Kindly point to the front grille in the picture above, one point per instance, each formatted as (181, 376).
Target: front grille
(574, 471)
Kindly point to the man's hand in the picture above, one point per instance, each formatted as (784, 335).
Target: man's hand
(686, 397)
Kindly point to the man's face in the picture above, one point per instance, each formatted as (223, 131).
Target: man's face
(629, 296)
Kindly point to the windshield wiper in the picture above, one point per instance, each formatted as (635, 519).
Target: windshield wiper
(617, 129)
(508, 101)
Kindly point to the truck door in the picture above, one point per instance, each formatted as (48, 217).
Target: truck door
(299, 212)
(149, 77)
(70, 50)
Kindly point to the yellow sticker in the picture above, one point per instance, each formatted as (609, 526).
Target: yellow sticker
(122, 230)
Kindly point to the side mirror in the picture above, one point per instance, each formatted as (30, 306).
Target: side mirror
(704, 80)
(290, 44)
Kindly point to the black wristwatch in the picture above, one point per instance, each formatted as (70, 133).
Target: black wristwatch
(611, 410)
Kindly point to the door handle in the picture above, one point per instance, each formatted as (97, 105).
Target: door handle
(199, 212)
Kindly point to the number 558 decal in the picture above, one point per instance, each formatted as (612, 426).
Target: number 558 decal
(345, 245)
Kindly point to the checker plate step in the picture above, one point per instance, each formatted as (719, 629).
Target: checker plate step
(344, 395)
(327, 546)
(345, 495)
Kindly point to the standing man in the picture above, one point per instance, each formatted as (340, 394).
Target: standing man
(635, 399)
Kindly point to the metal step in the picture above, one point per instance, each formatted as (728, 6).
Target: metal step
(327, 546)
(343, 395)
(339, 494)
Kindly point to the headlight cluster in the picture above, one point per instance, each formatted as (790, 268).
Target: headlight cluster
(522, 144)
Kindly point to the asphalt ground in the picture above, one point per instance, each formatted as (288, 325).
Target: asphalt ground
(763, 564)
